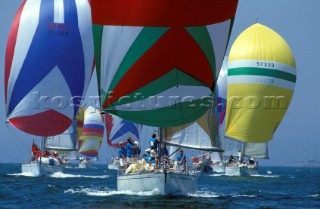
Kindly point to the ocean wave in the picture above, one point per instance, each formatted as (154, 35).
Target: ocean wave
(107, 192)
(314, 195)
(217, 174)
(65, 175)
(266, 176)
(21, 174)
(243, 195)
(206, 194)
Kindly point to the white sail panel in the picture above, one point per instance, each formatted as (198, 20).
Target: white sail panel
(201, 134)
(257, 150)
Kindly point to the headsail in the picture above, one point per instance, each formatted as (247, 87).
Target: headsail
(257, 150)
(119, 130)
(157, 60)
(92, 133)
(49, 61)
(201, 134)
(261, 80)
(64, 142)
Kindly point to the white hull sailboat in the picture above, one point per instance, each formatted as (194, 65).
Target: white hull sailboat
(40, 169)
(42, 166)
(160, 183)
(31, 70)
(155, 80)
(250, 75)
(113, 166)
(91, 137)
(241, 170)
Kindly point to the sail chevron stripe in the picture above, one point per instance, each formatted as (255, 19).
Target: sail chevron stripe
(202, 37)
(265, 80)
(152, 89)
(168, 98)
(111, 46)
(142, 43)
(162, 57)
(187, 114)
(262, 72)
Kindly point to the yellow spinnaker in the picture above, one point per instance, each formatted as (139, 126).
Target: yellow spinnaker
(261, 80)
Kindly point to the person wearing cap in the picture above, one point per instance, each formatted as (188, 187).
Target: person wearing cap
(122, 154)
(153, 141)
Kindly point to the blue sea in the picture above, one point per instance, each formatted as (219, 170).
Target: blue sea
(274, 187)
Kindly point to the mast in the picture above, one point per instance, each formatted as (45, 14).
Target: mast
(42, 148)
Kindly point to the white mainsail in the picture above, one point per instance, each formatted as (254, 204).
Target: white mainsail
(202, 134)
(64, 142)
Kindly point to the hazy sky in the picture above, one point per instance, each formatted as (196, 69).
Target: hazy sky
(297, 21)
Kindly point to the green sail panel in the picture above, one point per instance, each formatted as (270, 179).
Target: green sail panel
(139, 47)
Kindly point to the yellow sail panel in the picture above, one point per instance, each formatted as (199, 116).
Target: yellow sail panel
(254, 111)
(259, 42)
(261, 80)
(79, 120)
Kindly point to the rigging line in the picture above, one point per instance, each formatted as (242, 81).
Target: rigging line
(12, 133)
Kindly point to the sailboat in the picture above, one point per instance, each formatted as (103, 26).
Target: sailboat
(64, 144)
(157, 62)
(261, 80)
(236, 148)
(117, 131)
(48, 66)
(91, 136)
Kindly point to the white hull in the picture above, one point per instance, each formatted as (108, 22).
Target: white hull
(240, 171)
(218, 169)
(83, 165)
(113, 166)
(37, 169)
(232, 171)
(161, 183)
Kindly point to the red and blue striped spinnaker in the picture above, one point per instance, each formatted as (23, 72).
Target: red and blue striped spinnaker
(48, 64)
